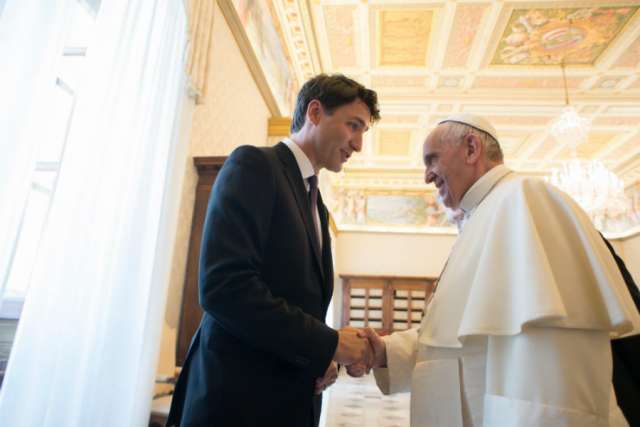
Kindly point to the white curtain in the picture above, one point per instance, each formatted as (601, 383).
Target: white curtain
(31, 40)
(86, 347)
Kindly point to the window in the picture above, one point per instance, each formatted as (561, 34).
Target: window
(45, 173)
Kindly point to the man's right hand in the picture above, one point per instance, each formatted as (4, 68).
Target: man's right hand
(379, 356)
(352, 348)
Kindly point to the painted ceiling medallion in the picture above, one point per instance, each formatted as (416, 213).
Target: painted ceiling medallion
(546, 36)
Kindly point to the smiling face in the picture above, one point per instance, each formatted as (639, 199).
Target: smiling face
(339, 133)
(446, 166)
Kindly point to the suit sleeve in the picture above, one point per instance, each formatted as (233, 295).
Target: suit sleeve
(231, 287)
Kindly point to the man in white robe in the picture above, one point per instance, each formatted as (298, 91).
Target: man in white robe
(517, 331)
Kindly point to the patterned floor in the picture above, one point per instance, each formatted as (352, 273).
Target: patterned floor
(350, 402)
(357, 402)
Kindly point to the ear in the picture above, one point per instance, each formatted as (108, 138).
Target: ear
(314, 111)
(473, 149)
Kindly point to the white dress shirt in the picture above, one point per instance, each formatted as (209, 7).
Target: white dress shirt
(306, 170)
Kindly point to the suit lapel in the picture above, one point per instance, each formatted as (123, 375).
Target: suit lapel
(292, 172)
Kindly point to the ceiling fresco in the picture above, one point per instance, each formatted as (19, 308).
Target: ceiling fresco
(576, 36)
(500, 59)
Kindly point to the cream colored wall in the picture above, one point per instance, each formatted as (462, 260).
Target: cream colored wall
(377, 254)
(233, 113)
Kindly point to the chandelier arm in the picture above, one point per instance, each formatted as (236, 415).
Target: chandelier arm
(564, 81)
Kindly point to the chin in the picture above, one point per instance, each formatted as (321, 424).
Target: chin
(335, 168)
(446, 201)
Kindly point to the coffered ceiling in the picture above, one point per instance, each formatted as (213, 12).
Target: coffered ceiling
(501, 59)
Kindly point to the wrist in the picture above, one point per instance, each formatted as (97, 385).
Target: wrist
(382, 358)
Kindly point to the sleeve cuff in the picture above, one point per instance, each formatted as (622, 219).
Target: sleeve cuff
(401, 350)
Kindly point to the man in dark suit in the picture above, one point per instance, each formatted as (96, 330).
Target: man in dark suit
(263, 354)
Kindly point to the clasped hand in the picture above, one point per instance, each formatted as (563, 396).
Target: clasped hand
(359, 350)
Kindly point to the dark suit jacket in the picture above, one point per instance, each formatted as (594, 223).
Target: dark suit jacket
(265, 288)
(626, 356)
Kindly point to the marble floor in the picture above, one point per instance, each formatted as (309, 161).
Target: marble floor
(357, 402)
(350, 402)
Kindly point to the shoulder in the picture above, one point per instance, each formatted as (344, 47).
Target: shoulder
(534, 195)
(252, 156)
(250, 152)
(521, 185)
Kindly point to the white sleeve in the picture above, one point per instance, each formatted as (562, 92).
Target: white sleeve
(401, 359)
(550, 377)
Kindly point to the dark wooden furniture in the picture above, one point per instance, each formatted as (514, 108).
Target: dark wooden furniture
(190, 311)
(385, 303)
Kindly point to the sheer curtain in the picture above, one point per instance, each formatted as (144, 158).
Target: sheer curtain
(86, 347)
(31, 39)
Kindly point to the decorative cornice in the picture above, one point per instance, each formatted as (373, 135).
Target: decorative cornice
(295, 22)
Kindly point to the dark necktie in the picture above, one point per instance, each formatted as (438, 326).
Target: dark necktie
(313, 198)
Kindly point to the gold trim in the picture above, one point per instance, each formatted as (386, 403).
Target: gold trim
(233, 20)
(278, 126)
(332, 225)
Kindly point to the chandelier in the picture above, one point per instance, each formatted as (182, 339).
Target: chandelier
(594, 187)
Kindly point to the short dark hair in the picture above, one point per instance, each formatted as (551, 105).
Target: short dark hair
(332, 91)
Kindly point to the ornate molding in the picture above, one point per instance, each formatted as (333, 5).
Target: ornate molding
(297, 26)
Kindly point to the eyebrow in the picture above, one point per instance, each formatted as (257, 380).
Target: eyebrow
(429, 158)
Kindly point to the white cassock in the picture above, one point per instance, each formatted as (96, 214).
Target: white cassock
(517, 334)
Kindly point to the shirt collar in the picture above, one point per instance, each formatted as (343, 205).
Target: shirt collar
(304, 164)
(481, 188)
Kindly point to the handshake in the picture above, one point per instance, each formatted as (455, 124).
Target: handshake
(359, 350)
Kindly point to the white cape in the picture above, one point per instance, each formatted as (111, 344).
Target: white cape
(528, 255)
(518, 331)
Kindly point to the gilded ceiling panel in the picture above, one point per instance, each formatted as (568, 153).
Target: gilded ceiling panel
(589, 109)
(511, 142)
(463, 32)
(596, 142)
(630, 57)
(402, 37)
(393, 142)
(444, 108)
(339, 26)
(400, 119)
(635, 84)
(391, 82)
(450, 82)
(626, 148)
(543, 149)
(489, 82)
(615, 121)
(436, 118)
(511, 120)
(546, 36)
(608, 82)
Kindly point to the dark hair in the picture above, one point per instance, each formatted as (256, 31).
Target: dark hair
(332, 91)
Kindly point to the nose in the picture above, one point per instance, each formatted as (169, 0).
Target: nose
(356, 142)
(429, 176)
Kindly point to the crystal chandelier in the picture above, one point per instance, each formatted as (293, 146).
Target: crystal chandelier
(570, 128)
(596, 189)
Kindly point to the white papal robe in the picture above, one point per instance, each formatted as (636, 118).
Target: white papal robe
(517, 333)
